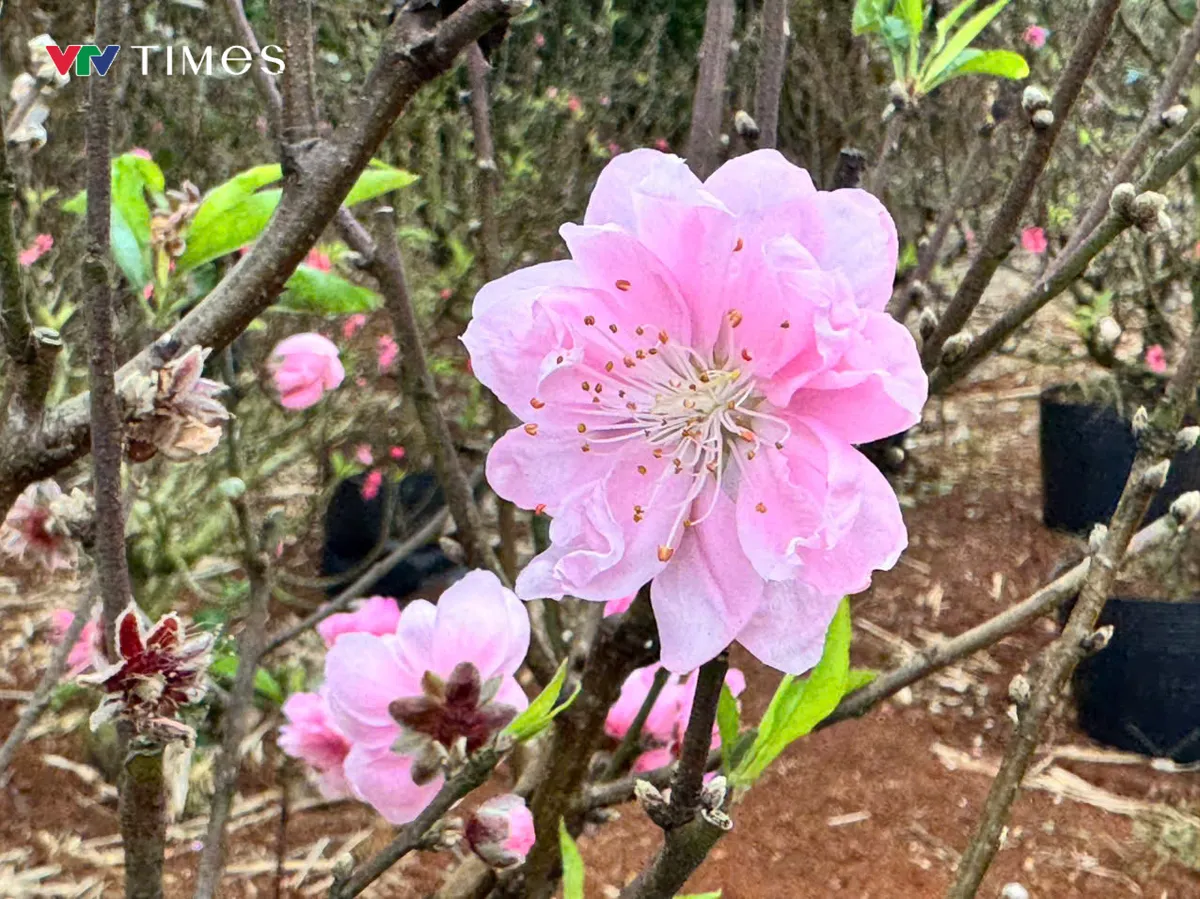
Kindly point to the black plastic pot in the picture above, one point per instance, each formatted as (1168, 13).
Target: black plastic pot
(1142, 692)
(1087, 452)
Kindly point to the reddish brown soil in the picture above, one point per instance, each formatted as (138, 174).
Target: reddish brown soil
(977, 544)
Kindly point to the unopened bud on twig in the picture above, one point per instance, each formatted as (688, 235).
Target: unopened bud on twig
(1141, 420)
(1019, 689)
(956, 347)
(1097, 639)
(1186, 507)
(927, 323)
(898, 95)
(1033, 99)
(1042, 119)
(1108, 332)
(1173, 116)
(1156, 475)
(648, 796)
(1187, 437)
(745, 125)
(1097, 537)
(712, 796)
(1148, 212)
(1121, 201)
(894, 456)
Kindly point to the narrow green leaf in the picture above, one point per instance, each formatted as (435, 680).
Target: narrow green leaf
(800, 705)
(959, 42)
(896, 36)
(379, 178)
(868, 16)
(266, 684)
(728, 724)
(312, 290)
(572, 863)
(948, 21)
(912, 11)
(1001, 63)
(542, 710)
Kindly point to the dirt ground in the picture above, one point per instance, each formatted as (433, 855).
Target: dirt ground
(877, 808)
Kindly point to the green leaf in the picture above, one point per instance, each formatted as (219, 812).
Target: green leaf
(235, 213)
(896, 37)
(946, 22)
(800, 705)
(379, 178)
(1001, 63)
(913, 13)
(266, 685)
(312, 290)
(728, 724)
(858, 678)
(958, 43)
(542, 710)
(868, 16)
(572, 863)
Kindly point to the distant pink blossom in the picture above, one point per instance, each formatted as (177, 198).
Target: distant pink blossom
(363, 454)
(311, 736)
(573, 104)
(140, 153)
(539, 40)
(662, 732)
(404, 699)
(614, 148)
(88, 646)
(733, 340)
(32, 532)
(605, 101)
(351, 325)
(501, 831)
(42, 244)
(1156, 359)
(1033, 240)
(446, 293)
(552, 93)
(304, 366)
(397, 453)
(318, 260)
(387, 351)
(371, 484)
(661, 144)
(375, 615)
(1035, 36)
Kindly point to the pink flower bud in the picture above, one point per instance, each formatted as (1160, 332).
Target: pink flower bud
(1033, 240)
(501, 831)
(370, 487)
(304, 366)
(42, 244)
(351, 326)
(1035, 36)
(363, 455)
(1156, 359)
(387, 350)
(397, 453)
(318, 260)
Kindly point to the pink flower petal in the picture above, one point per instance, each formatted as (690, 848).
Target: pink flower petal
(384, 780)
(481, 621)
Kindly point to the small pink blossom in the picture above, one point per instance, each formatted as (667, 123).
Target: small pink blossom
(363, 455)
(446, 293)
(42, 244)
(140, 153)
(88, 646)
(351, 325)
(1156, 359)
(318, 260)
(619, 606)
(1033, 240)
(573, 104)
(662, 145)
(31, 531)
(605, 101)
(662, 732)
(371, 484)
(445, 675)
(387, 351)
(311, 736)
(376, 615)
(304, 366)
(733, 338)
(501, 831)
(147, 292)
(614, 148)
(539, 40)
(1035, 36)
(397, 453)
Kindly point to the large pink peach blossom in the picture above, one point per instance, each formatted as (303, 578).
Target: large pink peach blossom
(691, 385)
(304, 366)
(376, 615)
(311, 735)
(446, 673)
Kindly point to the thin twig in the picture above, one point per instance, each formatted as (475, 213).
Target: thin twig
(772, 65)
(1152, 126)
(704, 137)
(693, 755)
(249, 653)
(994, 246)
(259, 72)
(1068, 268)
(631, 743)
(1158, 443)
(49, 680)
(473, 775)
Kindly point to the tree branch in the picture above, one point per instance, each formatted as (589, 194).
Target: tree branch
(298, 121)
(684, 849)
(994, 246)
(1158, 443)
(693, 755)
(16, 330)
(772, 66)
(704, 137)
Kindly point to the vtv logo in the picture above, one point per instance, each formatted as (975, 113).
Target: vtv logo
(85, 57)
